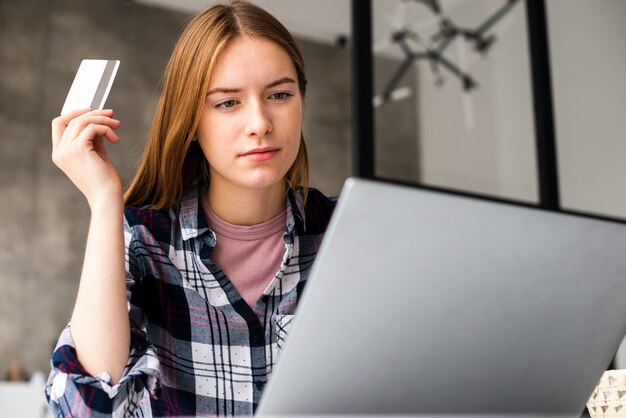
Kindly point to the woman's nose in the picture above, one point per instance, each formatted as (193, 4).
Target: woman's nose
(258, 123)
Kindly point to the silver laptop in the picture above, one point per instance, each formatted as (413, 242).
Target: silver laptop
(429, 303)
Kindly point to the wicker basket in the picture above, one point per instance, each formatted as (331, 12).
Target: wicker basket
(609, 397)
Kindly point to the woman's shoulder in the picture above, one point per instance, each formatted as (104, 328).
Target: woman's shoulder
(145, 215)
(318, 200)
(318, 210)
(166, 225)
(147, 223)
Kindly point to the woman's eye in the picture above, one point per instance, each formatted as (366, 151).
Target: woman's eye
(227, 104)
(281, 95)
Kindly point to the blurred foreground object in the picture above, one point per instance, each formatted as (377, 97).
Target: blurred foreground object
(23, 400)
(608, 399)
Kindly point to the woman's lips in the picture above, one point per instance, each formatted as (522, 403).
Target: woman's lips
(260, 154)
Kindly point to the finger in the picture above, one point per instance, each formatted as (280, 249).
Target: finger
(59, 124)
(77, 125)
(93, 131)
(80, 123)
(90, 139)
(67, 118)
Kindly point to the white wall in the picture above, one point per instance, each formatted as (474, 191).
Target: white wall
(588, 46)
(497, 155)
(588, 57)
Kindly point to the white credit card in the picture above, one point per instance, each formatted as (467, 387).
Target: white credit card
(91, 85)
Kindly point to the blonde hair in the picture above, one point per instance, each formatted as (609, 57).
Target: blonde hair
(172, 160)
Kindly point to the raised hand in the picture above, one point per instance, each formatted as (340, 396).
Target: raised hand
(78, 150)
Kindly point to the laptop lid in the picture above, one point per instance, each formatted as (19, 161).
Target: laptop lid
(423, 302)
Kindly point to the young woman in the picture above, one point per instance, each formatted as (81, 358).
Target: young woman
(191, 279)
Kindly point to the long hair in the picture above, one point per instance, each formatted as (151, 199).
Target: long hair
(172, 160)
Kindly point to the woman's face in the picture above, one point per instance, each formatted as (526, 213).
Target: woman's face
(251, 122)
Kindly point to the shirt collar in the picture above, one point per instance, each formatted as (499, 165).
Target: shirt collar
(295, 211)
(193, 222)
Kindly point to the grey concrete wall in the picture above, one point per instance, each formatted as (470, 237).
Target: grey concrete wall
(396, 131)
(43, 218)
(327, 111)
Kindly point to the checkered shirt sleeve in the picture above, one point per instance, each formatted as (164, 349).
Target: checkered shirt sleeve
(71, 391)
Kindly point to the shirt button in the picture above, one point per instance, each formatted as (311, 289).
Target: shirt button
(259, 385)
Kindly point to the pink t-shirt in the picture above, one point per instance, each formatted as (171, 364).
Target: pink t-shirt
(249, 255)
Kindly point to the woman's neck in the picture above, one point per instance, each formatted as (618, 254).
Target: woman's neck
(246, 206)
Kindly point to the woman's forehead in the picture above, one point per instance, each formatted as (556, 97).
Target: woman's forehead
(252, 60)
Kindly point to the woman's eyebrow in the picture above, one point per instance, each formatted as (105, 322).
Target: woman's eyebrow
(278, 82)
(223, 90)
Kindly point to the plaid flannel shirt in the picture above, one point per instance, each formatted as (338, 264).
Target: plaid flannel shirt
(197, 348)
